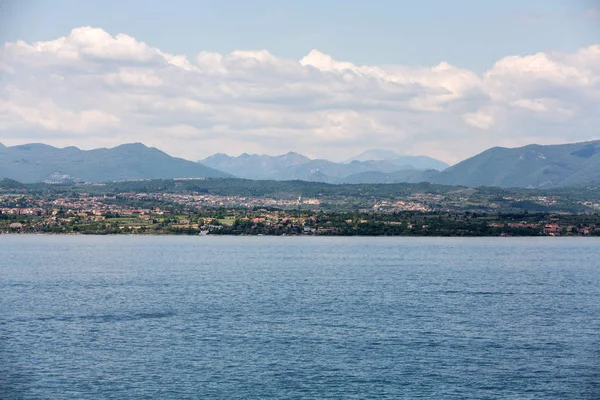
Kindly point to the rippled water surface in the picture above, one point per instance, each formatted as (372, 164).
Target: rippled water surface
(319, 318)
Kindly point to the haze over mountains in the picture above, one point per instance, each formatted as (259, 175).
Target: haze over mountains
(293, 166)
(535, 166)
(416, 162)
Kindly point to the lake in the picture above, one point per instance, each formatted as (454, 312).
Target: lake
(132, 317)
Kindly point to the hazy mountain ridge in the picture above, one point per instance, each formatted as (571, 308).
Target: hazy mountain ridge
(417, 162)
(531, 166)
(39, 162)
(407, 176)
(374, 154)
(253, 166)
(293, 166)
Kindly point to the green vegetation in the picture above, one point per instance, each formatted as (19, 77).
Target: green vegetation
(277, 222)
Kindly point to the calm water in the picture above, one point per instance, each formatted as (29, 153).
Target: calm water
(319, 318)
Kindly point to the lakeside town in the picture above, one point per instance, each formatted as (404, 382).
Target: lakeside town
(460, 213)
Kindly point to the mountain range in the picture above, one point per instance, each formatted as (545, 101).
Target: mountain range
(533, 166)
(416, 162)
(292, 166)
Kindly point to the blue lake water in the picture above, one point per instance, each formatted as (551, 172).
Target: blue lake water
(318, 318)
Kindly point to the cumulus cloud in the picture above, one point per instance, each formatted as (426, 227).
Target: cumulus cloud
(93, 89)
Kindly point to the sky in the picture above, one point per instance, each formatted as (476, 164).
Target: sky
(327, 79)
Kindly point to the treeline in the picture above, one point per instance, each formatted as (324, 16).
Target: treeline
(293, 189)
(277, 222)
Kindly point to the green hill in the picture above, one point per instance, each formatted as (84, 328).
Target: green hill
(536, 166)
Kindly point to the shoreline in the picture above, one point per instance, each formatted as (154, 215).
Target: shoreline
(15, 234)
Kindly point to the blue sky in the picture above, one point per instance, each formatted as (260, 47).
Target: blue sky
(326, 79)
(467, 33)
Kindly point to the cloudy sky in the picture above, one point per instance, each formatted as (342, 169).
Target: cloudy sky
(327, 79)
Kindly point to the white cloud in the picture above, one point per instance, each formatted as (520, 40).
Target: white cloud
(134, 78)
(90, 88)
(324, 62)
(18, 110)
(479, 120)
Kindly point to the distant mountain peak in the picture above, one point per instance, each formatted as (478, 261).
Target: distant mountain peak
(134, 145)
(374, 155)
(295, 157)
(217, 157)
(403, 162)
(33, 146)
